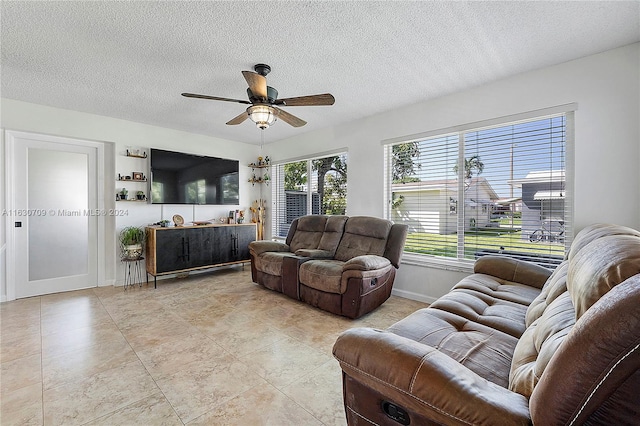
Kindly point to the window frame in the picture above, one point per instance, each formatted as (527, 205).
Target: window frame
(276, 178)
(458, 263)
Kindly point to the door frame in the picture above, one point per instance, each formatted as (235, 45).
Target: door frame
(10, 186)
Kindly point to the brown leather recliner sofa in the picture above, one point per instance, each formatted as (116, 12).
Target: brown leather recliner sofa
(344, 265)
(511, 344)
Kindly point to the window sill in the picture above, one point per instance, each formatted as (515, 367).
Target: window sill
(437, 263)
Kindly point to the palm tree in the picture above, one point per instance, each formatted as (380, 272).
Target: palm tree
(471, 165)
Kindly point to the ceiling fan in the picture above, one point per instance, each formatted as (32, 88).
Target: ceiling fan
(264, 101)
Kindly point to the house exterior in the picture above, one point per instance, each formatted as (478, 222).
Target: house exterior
(441, 199)
(543, 201)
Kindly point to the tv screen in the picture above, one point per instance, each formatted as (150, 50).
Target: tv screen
(179, 178)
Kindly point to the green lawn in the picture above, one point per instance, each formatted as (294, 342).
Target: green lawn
(489, 238)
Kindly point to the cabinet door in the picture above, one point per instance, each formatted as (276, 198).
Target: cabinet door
(245, 234)
(196, 250)
(171, 249)
(223, 244)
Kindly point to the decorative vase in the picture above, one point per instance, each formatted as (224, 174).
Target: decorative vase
(133, 251)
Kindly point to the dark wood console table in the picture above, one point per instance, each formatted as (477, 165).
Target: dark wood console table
(179, 249)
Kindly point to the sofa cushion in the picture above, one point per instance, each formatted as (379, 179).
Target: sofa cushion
(314, 253)
(308, 232)
(363, 235)
(595, 231)
(271, 262)
(485, 351)
(538, 344)
(366, 263)
(261, 246)
(323, 275)
(599, 266)
(332, 234)
(499, 289)
(482, 308)
(555, 286)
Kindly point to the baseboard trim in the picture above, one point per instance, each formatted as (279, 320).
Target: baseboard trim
(413, 296)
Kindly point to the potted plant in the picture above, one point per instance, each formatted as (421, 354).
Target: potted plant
(123, 193)
(140, 195)
(131, 239)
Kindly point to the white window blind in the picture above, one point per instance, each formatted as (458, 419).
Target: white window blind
(310, 186)
(500, 189)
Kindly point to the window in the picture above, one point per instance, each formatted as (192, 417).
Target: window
(324, 179)
(493, 189)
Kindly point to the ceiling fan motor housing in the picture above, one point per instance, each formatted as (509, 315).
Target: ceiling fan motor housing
(272, 95)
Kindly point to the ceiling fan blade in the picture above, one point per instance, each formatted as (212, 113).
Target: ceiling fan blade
(257, 83)
(311, 100)
(214, 98)
(239, 119)
(290, 118)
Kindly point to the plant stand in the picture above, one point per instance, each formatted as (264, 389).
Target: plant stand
(132, 277)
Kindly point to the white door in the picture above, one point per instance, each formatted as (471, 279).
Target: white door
(55, 233)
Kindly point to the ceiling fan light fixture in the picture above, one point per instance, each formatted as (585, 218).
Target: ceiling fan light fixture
(263, 115)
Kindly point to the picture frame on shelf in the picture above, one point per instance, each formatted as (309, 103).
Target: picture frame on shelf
(138, 176)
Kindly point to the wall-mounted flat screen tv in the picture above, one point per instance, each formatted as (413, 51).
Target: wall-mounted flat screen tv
(179, 178)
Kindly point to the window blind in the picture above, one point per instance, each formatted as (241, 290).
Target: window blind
(500, 189)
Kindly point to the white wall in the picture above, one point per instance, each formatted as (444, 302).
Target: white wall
(606, 88)
(118, 135)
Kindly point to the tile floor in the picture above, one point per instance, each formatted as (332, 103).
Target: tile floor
(211, 349)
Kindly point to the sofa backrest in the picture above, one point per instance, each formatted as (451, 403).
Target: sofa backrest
(594, 377)
(574, 287)
(595, 231)
(363, 235)
(306, 232)
(333, 231)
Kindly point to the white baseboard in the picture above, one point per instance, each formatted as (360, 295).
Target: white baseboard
(108, 283)
(413, 296)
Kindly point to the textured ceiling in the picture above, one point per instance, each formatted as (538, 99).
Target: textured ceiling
(131, 60)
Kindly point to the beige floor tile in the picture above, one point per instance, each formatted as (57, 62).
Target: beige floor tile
(285, 361)
(243, 338)
(73, 340)
(204, 385)
(217, 321)
(92, 315)
(16, 327)
(79, 402)
(259, 406)
(19, 309)
(19, 345)
(320, 393)
(153, 410)
(22, 407)
(86, 362)
(152, 331)
(166, 359)
(20, 373)
(71, 302)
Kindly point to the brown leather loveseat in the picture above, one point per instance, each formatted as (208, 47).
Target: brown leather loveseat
(511, 344)
(344, 265)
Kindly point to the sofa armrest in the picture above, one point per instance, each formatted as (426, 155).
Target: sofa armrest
(513, 270)
(314, 253)
(367, 262)
(424, 380)
(259, 247)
